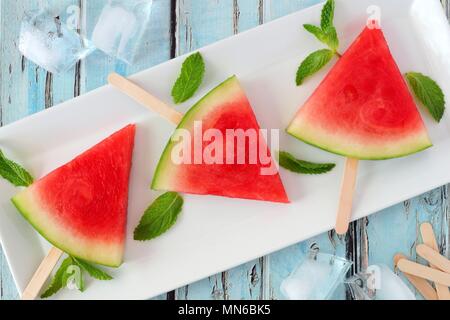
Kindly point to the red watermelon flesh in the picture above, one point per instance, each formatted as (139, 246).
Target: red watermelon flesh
(363, 108)
(81, 207)
(225, 107)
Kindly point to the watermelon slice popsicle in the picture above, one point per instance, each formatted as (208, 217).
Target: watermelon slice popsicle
(81, 207)
(223, 108)
(362, 110)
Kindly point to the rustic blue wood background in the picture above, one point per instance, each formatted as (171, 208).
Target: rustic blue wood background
(177, 27)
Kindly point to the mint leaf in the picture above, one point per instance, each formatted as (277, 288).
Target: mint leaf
(332, 39)
(191, 77)
(327, 15)
(289, 162)
(58, 282)
(317, 32)
(159, 217)
(428, 93)
(328, 37)
(313, 63)
(14, 173)
(94, 272)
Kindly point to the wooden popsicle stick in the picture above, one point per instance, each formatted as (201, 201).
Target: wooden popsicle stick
(422, 285)
(41, 275)
(424, 272)
(433, 257)
(346, 200)
(428, 237)
(144, 98)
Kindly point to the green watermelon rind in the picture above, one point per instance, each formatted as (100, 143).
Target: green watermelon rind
(165, 158)
(21, 206)
(359, 155)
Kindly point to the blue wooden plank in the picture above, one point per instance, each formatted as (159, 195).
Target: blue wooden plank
(12, 104)
(274, 9)
(25, 77)
(280, 264)
(200, 23)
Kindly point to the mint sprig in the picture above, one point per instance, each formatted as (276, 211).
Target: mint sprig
(190, 79)
(326, 34)
(312, 64)
(14, 173)
(159, 217)
(70, 273)
(289, 162)
(428, 93)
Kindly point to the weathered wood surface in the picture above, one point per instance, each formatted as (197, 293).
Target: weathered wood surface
(180, 26)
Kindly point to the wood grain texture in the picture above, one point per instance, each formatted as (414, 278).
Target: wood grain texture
(177, 27)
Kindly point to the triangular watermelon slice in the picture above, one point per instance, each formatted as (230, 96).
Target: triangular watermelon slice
(225, 107)
(363, 108)
(81, 207)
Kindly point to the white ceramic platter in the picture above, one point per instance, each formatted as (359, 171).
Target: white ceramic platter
(215, 234)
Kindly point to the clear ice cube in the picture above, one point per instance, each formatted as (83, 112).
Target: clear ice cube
(389, 286)
(316, 278)
(120, 26)
(379, 282)
(48, 42)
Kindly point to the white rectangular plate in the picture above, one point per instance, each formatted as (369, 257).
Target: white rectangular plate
(215, 234)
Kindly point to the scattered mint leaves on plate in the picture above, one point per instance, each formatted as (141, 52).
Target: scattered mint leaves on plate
(326, 34)
(70, 274)
(428, 93)
(14, 173)
(159, 217)
(313, 63)
(289, 162)
(190, 79)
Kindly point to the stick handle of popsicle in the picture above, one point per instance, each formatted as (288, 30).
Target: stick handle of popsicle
(424, 272)
(435, 259)
(41, 275)
(144, 98)
(422, 285)
(429, 239)
(346, 199)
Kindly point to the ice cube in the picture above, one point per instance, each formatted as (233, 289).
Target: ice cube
(316, 278)
(379, 282)
(48, 42)
(120, 27)
(389, 286)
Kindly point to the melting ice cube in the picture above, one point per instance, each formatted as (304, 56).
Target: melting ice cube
(120, 26)
(389, 285)
(48, 42)
(379, 282)
(316, 278)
